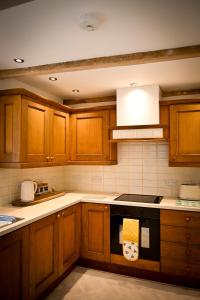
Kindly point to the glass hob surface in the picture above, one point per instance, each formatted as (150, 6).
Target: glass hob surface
(139, 198)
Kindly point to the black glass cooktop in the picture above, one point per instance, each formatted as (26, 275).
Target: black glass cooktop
(139, 198)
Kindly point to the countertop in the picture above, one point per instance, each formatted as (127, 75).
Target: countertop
(33, 213)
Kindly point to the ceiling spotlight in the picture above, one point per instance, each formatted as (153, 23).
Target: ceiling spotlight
(91, 21)
(75, 91)
(133, 83)
(18, 60)
(53, 78)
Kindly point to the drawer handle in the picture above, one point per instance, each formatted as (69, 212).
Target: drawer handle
(188, 236)
(187, 219)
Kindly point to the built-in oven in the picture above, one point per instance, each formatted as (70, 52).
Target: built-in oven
(149, 230)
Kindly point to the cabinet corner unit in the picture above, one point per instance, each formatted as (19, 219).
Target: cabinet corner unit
(32, 134)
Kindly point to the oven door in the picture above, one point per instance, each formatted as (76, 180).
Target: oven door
(149, 239)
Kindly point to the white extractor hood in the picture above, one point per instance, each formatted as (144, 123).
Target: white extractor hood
(138, 113)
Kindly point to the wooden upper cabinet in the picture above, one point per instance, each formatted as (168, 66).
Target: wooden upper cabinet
(35, 132)
(32, 134)
(59, 136)
(44, 254)
(185, 135)
(10, 113)
(95, 243)
(14, 265)
(90, 133)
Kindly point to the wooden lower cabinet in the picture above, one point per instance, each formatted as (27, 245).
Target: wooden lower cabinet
(180, 243)
(44, 242)
(95, 242)
(54, 247)
(69, 237)
(14, 265)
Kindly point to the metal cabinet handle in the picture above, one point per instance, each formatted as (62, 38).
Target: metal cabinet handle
(47, 158)
(52, 157)
(58, 216)
(106, 207)
(63, 214)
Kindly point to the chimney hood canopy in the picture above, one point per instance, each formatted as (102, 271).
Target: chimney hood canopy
(138, 114)
(138, 105)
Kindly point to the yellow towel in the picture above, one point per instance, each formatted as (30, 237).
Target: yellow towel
(130, 232)
(130, 236)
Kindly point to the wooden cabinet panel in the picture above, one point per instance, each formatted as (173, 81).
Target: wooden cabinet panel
(44, 241)
(185, 134)
(180, 268)
(69, 235)
(180, 234)
(180, 218)
(95, 232)
(59, 135)
(164, 120)
(14, 265)
(10, 115)
(35, 132)
(179, 251)
(90, 136)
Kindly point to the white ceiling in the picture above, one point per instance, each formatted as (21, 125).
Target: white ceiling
(47, 31)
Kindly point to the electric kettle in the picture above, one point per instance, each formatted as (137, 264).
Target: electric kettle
(28, 189)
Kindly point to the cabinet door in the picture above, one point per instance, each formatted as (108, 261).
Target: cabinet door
(43, 254)
(59, 136)
(14, 265)
(95, 243)
(35, 132)
(185, 134)
(90, 136)
(10, 118)
(69, 234)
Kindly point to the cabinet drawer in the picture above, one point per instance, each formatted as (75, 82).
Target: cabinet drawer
(180, 234)
(180, 218)
(180, 251)
(180, 268)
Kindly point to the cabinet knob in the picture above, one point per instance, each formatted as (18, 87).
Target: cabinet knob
(187, 252)
(187, 236)
(187, 219)
(63, 214)
(47, 158)
(187, 269)
(58, 216)
(106, 207)
(52, 157)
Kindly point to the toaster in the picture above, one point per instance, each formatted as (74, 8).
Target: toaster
(189, 191)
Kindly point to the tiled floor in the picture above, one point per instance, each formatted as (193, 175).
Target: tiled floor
(87, 284)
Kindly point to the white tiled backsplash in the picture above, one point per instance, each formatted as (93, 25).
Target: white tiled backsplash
(10, 180)
(142, 168)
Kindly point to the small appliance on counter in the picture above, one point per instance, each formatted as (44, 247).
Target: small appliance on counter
(42, 188)
(189, 192)
(28, 189)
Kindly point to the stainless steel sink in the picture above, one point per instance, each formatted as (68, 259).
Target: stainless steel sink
(6, 220)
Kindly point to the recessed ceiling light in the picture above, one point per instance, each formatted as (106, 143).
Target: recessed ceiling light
(75, 91)
(53, 78)
(133, 83)
(18, 60)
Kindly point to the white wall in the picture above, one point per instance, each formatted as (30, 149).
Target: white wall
(14, 84)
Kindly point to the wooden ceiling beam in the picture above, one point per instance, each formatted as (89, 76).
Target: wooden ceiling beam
(105, 62)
